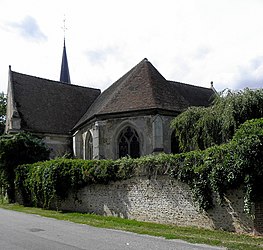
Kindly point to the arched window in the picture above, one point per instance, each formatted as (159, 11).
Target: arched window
(128, 143)
(78, 145)
(89, 147)
(175, 149)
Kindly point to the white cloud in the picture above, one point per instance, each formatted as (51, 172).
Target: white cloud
(100, 55)
(186, 40)
(28, 28)
(250, 75)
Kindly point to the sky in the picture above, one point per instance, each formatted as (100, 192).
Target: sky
(189, 41)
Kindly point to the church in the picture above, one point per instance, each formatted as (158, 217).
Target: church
(130, 118)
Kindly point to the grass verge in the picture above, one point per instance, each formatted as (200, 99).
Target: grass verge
(190, 234)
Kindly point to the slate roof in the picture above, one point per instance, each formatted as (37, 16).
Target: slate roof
(64, 72)
(144, 88)
(47, 106)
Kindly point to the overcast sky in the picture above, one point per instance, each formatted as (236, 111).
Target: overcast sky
(190, 41)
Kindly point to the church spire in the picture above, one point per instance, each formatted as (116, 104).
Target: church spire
(64, 72)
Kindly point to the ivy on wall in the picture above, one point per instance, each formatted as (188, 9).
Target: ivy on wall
(214, 170)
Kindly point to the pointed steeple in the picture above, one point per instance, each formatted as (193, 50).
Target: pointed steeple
(64, 72)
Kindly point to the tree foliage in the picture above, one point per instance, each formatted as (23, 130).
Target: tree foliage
(3, 103)
(17, 149)
(200, 128)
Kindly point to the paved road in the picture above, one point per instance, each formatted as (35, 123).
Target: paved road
(32, 232)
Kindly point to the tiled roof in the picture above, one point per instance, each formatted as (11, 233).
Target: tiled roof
(193, 95)
(47, 106)
(144, 88)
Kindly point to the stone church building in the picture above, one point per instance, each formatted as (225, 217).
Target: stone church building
(132, 117)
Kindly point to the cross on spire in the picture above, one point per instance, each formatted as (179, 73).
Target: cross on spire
(64, 26)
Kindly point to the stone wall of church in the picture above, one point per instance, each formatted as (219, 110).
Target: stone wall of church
(154, 133)
(58, 145)
(110, 130)
(167, 133)
(160, 200)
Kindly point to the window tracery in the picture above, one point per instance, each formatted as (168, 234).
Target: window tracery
(129, 143)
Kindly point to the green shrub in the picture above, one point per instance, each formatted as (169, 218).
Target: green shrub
(18, 149)
(3, 103)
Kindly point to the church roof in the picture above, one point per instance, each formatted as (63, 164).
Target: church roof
(144, 88)
(64, 72)
(47, 106)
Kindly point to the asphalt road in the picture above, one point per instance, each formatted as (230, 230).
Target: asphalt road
(25, 231)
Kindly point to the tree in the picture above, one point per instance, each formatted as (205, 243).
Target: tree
(200, 127)
(17, 149)
(3, 102)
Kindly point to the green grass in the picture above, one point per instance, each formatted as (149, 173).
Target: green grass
(190, 234)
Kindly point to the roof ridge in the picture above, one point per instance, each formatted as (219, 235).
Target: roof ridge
(154, 95)
(189, 84)
(53, 81)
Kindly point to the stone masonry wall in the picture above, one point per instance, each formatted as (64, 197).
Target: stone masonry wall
(160, 200)
(259, 217)
(154, 132)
